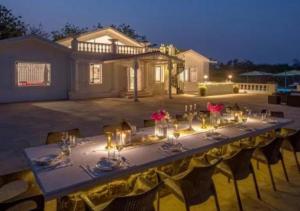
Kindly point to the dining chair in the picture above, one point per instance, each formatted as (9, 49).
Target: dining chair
(56, 137)
(238, 166)
(278, 114)
(193, 186)
(33, 203)
(149, 123)
(132, 202)
(269, 154)
(17, 192)
(292, 143)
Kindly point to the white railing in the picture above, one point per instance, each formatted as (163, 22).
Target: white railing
(109, 48)
(94, 47)
(256, 87)
(129, 50)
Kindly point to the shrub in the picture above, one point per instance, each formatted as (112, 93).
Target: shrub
(236, 89)
(202, 91)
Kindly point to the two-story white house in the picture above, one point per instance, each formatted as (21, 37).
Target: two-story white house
(102, 63)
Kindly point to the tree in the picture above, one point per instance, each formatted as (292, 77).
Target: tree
(38, 31)
(130, 32)
(68, 30)
(98, 26)
(10, 25)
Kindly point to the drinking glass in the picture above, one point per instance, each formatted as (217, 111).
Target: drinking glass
(64, 138)
(176, 135)
(66, 149)
(244, 119)
(119, 147)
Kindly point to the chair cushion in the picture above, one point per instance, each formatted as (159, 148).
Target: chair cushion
(23, 206)
(13, 189)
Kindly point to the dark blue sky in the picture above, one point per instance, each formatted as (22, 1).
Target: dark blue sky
(265, 31)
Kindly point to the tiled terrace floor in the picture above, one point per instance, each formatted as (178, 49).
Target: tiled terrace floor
(27, 124)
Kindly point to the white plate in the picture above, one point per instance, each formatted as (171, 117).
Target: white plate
(46, 160)
(106, 164)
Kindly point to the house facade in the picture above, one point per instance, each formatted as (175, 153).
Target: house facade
(103, 63)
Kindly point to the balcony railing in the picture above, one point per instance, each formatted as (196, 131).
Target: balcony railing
(94, 47)
(102, 48)
(129, 50)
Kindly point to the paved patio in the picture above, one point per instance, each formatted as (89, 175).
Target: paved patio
(27, 124)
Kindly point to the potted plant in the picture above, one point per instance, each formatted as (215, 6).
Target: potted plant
(236, 89)
(202, 90)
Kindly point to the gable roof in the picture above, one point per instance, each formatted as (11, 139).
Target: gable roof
(93, 34)
(36, 38)
(191, 51)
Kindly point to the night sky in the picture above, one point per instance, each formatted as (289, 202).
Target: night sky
(264, 31)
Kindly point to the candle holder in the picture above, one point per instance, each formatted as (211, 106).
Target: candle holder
(190, 114)
(202, 117)
(109, 136)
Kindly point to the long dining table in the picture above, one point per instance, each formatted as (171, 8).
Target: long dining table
(73, 178)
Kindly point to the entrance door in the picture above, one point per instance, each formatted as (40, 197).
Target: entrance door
(130, 77)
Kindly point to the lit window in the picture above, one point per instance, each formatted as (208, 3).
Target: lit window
(33, 74)
(186, 75)
(159, 74)
(193, 74)
(95, 73)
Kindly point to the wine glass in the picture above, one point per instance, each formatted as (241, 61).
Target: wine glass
(119, 147)
(244, 119)
(66, 149)
(176, 135)
(64, 138)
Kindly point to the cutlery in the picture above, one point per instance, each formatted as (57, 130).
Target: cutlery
(125, 161)
(87, 171)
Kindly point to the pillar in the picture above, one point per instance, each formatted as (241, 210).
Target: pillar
(136, 67)
(170, 67)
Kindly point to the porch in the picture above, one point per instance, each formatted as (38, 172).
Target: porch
(131, 76)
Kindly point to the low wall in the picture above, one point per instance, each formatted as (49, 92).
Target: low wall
(190, 87)
(217, 88)
(257, 88)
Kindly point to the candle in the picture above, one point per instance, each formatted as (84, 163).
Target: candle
(191, 107)
(195, 106)
(123, 137)
(176, 126)
(185, 108)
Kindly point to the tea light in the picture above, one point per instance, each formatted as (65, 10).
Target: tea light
(108, 140)
(176, 126)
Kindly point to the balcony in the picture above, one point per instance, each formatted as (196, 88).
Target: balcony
(101, 48)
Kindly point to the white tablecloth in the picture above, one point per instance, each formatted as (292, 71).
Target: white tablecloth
(62, 181)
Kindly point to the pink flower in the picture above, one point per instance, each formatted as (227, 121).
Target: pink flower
(159, 115)
(215, 107)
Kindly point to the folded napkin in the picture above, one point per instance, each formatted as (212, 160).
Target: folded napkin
(169, 147)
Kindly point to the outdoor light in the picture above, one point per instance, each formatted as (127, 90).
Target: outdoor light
(229, 77)
(205, 77)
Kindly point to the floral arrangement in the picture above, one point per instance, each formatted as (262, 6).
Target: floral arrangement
(215, 108)
(160, 115)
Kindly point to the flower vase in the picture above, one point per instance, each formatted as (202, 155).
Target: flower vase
(214, 118)
(161, 128)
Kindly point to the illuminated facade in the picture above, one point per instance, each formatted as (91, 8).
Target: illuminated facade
(102, 63)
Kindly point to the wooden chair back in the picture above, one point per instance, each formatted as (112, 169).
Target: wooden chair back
(240, 163)
(56, 137)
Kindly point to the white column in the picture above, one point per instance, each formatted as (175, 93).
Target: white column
(136, 67)
(170, 67)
